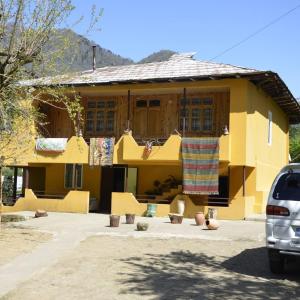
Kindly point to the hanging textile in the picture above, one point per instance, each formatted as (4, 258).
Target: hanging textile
(200, 158)
(101, 151)
(51, 144)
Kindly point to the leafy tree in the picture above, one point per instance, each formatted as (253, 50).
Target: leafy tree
(26, 26)
(295, 143)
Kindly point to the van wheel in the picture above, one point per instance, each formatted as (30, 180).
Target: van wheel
(276, 261)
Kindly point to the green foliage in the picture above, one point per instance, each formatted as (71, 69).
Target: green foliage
(161, 55)
(295, 143)
(160, 187)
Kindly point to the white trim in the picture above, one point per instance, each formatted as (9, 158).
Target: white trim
(270, 125)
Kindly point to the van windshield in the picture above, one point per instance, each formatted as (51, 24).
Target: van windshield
(288, 187)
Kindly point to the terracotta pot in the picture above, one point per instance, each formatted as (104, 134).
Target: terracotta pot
(199, 218)
(176, 218)
(114, 220)
(212, 224)
(130, 218)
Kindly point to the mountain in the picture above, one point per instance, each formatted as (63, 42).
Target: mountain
(68, 51)
(161, 55)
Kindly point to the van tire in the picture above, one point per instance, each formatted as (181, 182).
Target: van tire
(276, 261)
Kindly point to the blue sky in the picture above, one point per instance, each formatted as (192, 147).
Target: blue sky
(137, 28)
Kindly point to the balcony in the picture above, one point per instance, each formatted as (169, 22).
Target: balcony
(127, 151)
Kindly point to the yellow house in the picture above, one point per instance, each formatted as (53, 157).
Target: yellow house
(160, 103)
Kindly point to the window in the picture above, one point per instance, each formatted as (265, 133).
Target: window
(100, 117)
(73, 176)
(288, 187)
(269, 128)
(198, 114)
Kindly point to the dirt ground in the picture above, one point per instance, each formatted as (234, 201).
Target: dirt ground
(108, 267)
(17, 240)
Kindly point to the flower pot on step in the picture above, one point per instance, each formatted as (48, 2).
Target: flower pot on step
(199, 218)
(130, 218)
(114, 220)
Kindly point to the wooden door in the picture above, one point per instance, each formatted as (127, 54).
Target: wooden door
(154, 128)
(147, 118)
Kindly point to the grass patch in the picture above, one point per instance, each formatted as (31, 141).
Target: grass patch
(12, 218)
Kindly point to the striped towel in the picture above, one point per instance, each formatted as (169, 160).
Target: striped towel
(200, 165)
(101, 151)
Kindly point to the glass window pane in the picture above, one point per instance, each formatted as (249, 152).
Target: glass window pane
(100, 104)
(196, 113)
(153, 103)
(181, 124)
(100, 125)
(91, 104)
(141, 103)
(288, 187)
(110, 117)
(184, 113)
(89, 125)
(186, 102)
(100, 114)
(196, 125)
(78, 173)
(207, 119)
(207, 101)
(69, 176)
(196, 101)
(111, 104)
(89, 114)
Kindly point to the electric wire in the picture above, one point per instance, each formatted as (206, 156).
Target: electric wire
(256, 32)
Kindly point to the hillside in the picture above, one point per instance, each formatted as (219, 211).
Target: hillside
(68, 51)
(161, 55)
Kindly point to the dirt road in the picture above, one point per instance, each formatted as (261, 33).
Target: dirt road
(104, 267)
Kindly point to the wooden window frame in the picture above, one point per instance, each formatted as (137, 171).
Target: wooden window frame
(189, 114)
(74, 177)
(105, 110)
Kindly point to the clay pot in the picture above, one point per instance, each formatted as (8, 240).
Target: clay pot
(199, 218)
(40, 213)
(176, 218)
(130, 218)
(212, 224)
(142, 226)
(114, 220)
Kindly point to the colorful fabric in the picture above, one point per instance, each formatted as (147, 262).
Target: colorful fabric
(101, 151)
(51, 144)
(200, 158)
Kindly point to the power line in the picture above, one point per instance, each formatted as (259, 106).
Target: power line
(256, 32)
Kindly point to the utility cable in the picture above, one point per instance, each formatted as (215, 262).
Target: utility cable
(256, 32)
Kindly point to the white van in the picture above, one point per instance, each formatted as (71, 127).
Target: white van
(283, 218)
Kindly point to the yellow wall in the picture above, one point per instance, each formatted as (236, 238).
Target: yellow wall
(74, 202)
(246, 145)
(148, 174)
(55, 180)
(123, 203)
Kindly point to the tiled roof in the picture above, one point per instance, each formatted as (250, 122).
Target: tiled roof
(179, 66)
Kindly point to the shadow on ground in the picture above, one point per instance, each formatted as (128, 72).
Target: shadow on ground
(187, 275)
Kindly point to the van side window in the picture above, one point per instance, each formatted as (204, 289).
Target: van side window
(288, 187)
